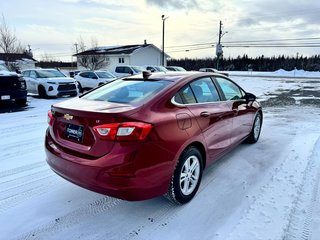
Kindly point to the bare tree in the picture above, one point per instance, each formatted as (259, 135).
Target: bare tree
(9, 43)
(90, 60)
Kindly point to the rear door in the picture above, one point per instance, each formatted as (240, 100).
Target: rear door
(213, 116)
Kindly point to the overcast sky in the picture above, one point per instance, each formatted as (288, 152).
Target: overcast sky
(52, 27)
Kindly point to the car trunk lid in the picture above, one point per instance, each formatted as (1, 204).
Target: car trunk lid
(74, 121)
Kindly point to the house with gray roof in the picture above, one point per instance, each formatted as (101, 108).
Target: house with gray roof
(109, 57)
(19, 61)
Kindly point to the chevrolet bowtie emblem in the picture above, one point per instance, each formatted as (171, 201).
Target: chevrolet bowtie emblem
(67, 116)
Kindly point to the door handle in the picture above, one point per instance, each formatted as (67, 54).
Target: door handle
(205, 114)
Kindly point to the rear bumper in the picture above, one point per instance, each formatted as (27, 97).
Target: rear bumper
(127, 176)
(14, 94)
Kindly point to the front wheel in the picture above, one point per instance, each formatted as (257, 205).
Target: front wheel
(42, 92)
(187, 176)
(256, 129)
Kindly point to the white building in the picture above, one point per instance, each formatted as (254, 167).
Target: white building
(19, 61)
(111, 56)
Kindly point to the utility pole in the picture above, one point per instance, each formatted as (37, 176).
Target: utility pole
(76, 45)
(29, 51)
(163, 17)
(219, 50)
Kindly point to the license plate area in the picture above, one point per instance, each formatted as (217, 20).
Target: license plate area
(74, 132)
(5, 97)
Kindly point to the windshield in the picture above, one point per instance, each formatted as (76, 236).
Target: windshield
(138, 69)
(105, 75)
(52, 73)
(161, 69)
(127, 91)
(3, 68)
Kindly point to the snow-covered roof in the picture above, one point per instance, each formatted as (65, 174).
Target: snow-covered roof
(116, 50)
(13, 57)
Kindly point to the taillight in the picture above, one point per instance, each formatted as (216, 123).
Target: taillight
(127, 131)
(50, 118)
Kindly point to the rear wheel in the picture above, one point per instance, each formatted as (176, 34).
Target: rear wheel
(187, 176)
(256, 129)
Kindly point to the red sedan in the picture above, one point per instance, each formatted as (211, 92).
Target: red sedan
(151, 134)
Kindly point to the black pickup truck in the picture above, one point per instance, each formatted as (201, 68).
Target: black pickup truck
(12, 87)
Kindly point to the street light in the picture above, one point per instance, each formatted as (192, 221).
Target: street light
(163, 17)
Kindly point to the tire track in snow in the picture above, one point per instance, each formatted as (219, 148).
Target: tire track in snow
(152, 222)
(25, 128)
(299, 226)
(23, 192)
(18, 182)
(89, 210)
(22, 169)
(271, 209)
(20, 148)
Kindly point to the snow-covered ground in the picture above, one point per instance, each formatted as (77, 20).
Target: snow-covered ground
(279, 73)
(269, 190)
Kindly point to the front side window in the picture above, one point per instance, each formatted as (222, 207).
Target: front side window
(26, 73)
(230, 90)
(204, 90)
(84, 74)
(33, 74)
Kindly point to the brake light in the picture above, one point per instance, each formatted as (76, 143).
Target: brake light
(50, 118)
(127, 131)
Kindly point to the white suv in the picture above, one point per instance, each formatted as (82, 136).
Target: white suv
(127, 70)
(49, 83)
(92, 79)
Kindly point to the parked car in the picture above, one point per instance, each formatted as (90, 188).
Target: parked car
(127, 70)
(49, 83)
(176, 68)
(150, 134)
(92, 79)
(12, 87)
(74, 73)
(212, 70)
(155, 68)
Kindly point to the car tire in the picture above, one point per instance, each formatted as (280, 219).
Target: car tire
(80, 87)
(186, 177)
(42, 92)
(256, 129)
(21, 102)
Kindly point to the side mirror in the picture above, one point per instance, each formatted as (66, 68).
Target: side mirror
(250, 97)
(94, 77)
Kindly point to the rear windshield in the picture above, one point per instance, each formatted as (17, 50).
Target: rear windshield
(127, 91)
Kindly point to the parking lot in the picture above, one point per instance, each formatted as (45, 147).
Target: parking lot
(269, 190)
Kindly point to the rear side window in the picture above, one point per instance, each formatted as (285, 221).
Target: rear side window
(200, 91)
(127, 91)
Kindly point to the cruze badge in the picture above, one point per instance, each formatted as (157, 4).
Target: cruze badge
(67, 116)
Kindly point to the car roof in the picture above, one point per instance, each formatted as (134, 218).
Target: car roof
(172, 76)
